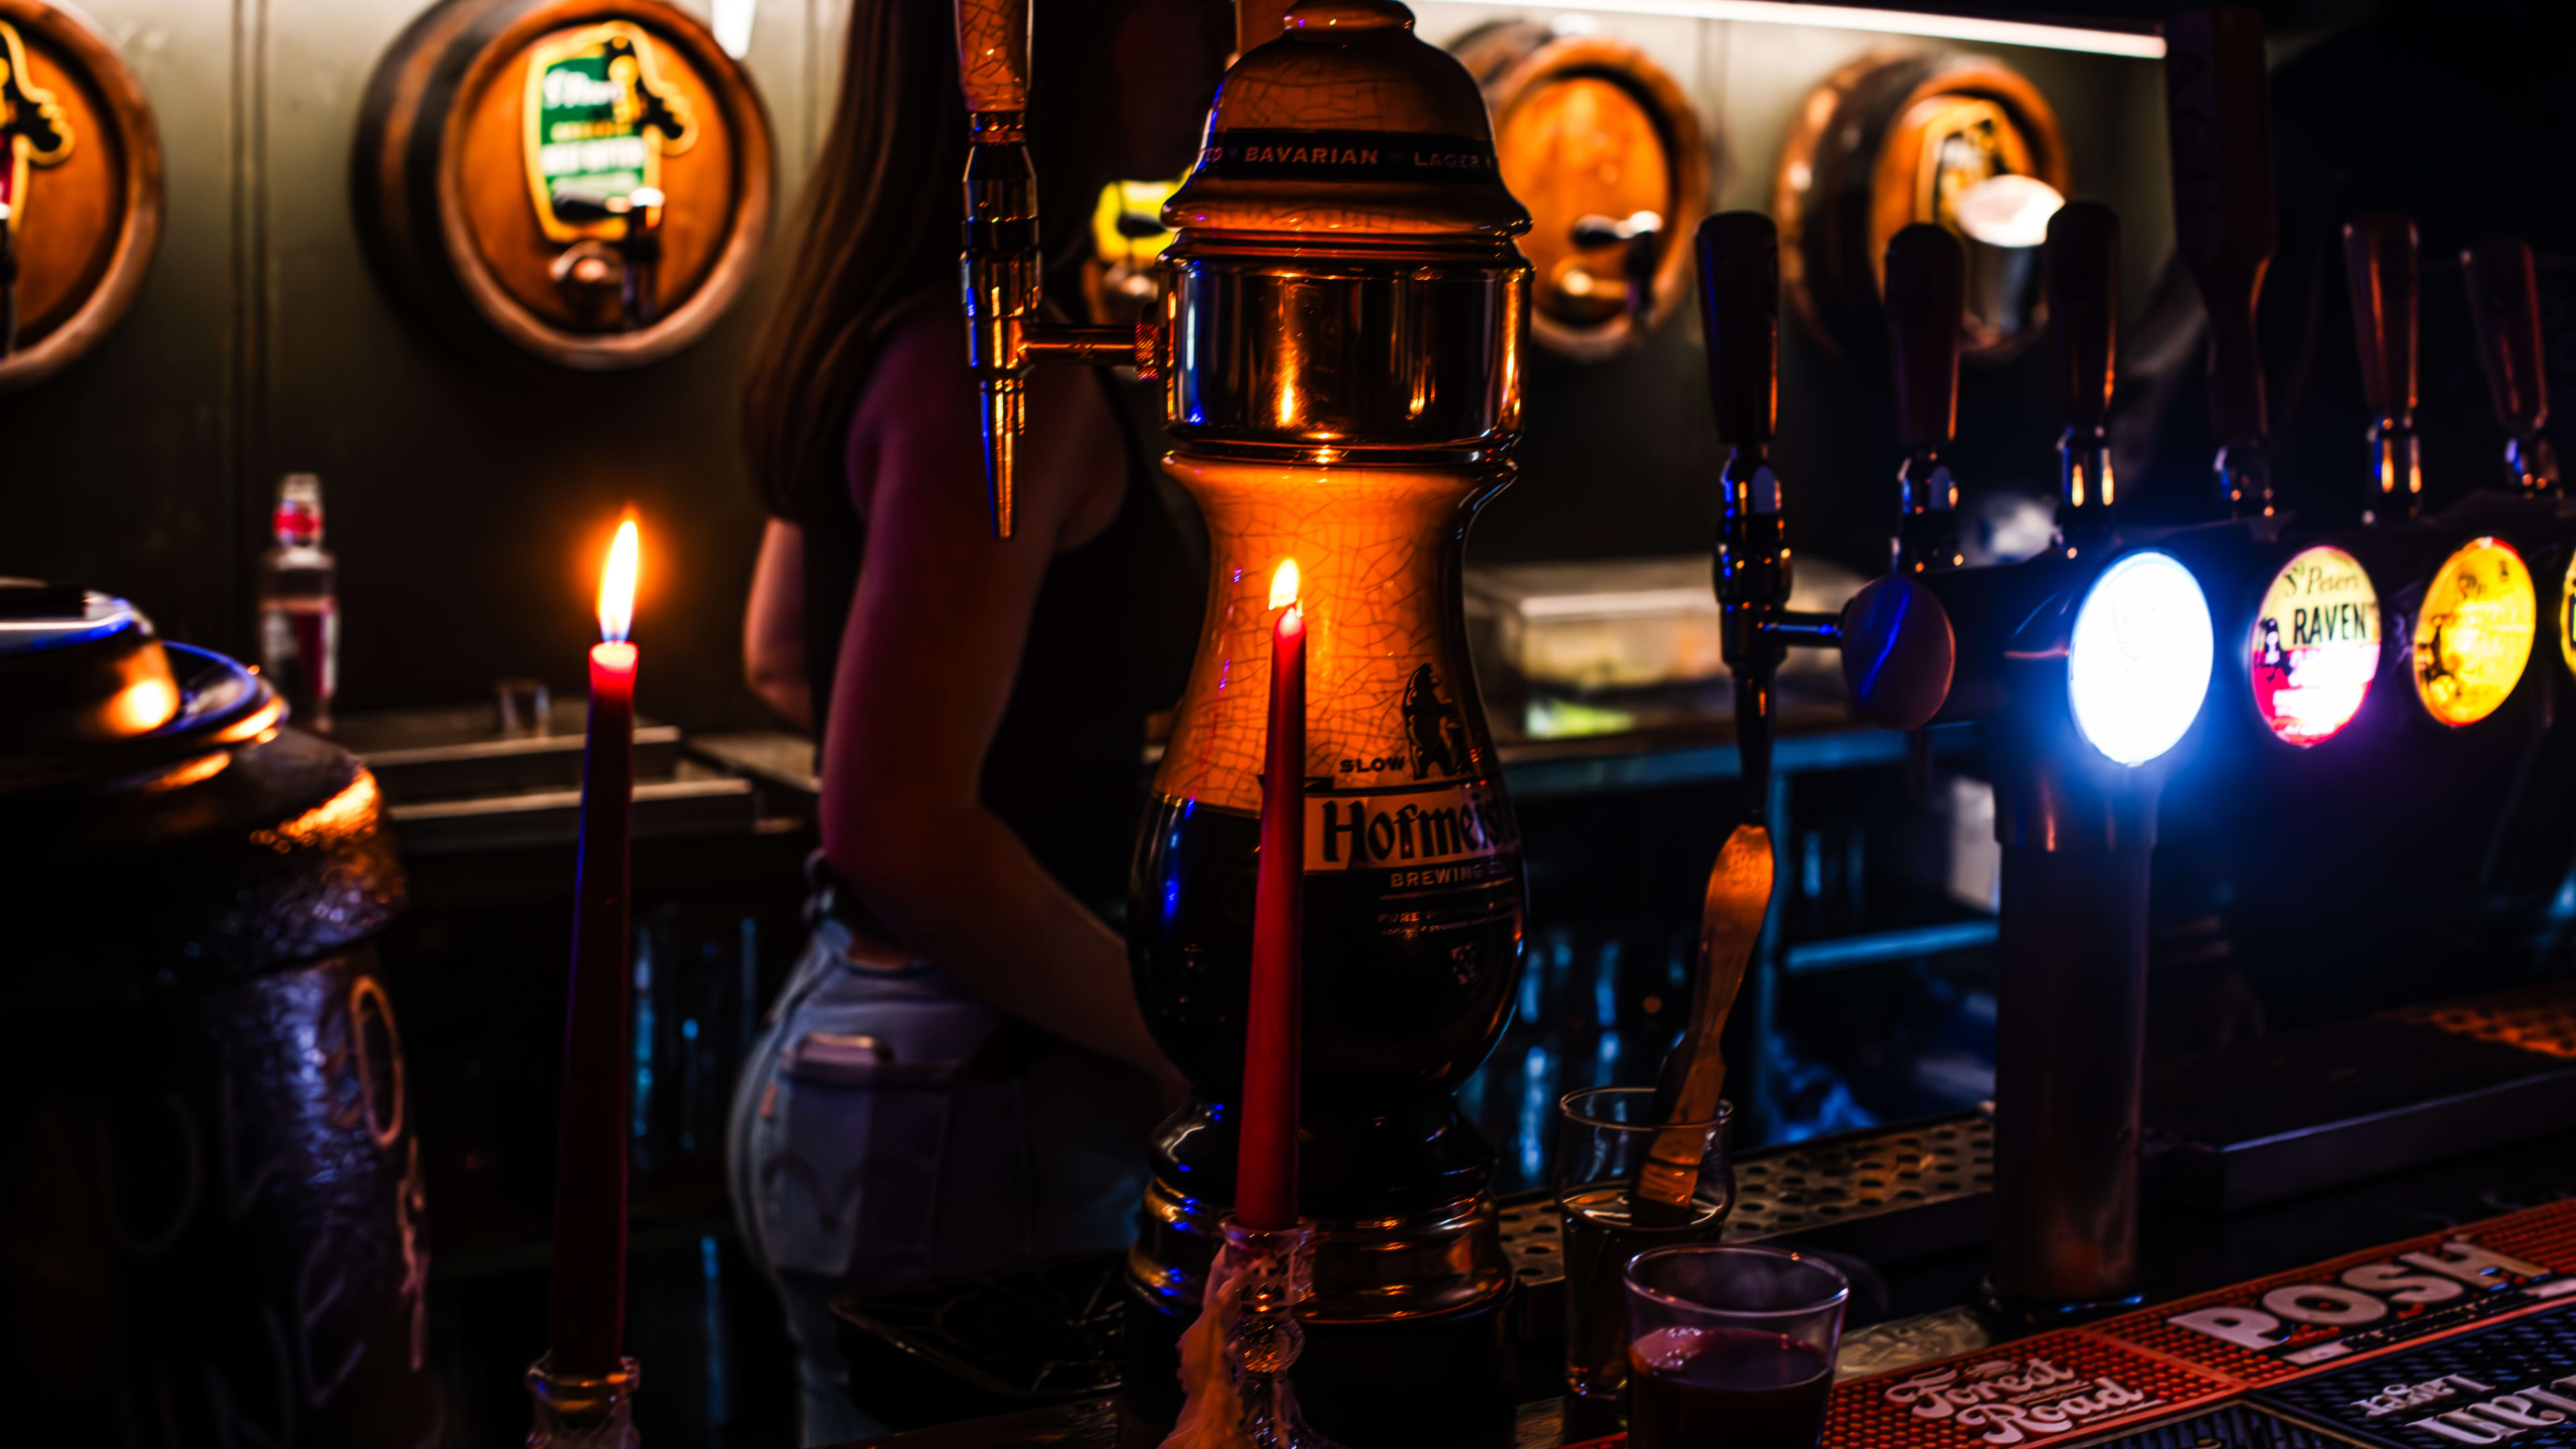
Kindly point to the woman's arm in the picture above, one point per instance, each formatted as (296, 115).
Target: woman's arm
(773, 626)
(925, 671)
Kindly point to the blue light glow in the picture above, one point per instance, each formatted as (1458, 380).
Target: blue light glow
(2137, 665)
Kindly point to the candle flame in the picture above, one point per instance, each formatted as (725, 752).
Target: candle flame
(617, 586)
(1283, 585)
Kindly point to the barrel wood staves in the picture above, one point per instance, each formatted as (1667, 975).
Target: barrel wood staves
(1894, 138)
(80, 169)
(1586, 126)
(459, 223)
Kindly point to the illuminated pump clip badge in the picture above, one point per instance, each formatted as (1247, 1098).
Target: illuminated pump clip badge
(2567, 617)
(2474, 634)
(2137, 665)
(2315, 648)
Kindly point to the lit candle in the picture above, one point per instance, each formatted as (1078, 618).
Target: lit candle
(587, 1308)
(1265, 1171)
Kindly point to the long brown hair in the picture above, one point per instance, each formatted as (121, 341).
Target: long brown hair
(878, 224)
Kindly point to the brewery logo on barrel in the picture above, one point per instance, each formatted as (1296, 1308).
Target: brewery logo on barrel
(2474, 634)
(600, 118)
(31, 125)
(2316, 645)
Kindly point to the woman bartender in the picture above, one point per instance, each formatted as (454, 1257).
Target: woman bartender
(956, 1080)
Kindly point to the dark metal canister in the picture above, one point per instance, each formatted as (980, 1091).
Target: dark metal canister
(211, 1207)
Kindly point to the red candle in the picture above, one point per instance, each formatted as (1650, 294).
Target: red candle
(1265, 1172)
(586, 1311)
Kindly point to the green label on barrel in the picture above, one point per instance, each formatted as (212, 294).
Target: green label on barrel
(600, 118)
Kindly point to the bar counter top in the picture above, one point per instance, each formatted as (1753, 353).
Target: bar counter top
(1920, 1303)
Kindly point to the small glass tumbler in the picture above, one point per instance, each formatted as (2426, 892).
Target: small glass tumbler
(1603, 1137)
(1731, 1343)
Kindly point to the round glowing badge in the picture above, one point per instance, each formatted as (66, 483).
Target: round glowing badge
(2316, 645)
(2138, 659)
(2474, 634)
(2567, 616)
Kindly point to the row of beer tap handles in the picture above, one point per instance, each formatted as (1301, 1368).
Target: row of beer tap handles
(1897, 649)
(2225, 230)
(2380, 256)
(2226, 227)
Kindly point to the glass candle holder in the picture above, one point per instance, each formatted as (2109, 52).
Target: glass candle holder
(576, 1411)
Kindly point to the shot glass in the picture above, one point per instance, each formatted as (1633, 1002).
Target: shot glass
(1603, 1137)
(1732, 1344)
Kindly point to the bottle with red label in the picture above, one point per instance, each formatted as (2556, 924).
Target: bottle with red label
(299, 606)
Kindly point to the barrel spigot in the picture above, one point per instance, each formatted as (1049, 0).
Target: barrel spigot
(2219, 118)
(1926, 291)
(2379, 264)
(639, 243)
(999, 264)
(1640, 238)
(2504, 304)
(2083, 307)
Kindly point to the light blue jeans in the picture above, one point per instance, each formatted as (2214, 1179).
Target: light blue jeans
(892, 1128)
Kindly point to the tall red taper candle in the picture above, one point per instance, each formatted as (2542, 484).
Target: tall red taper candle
(1265, 1172)
(586, 1310)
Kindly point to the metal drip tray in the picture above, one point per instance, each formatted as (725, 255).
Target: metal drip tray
(2539, 1019)
(1819, 1185)
(1882, 1194)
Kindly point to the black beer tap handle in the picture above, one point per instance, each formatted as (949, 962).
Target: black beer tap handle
(2084, 311)
(1739, 294)
(2504, 304)
(1739, 288)
(1926, 291)
(2379, 266)
(2219, 119)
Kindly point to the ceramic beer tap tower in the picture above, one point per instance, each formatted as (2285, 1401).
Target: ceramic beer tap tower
(1339, 347)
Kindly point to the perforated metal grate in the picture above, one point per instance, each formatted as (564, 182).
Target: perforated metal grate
(2542, 1019)
(1803, 1187)
(1809, 1186)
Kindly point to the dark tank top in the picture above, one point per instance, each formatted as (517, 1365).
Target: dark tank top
(1108, 644)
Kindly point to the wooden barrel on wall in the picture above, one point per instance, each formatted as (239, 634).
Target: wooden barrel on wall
(80, 172)
(1899, 137)
(1590, 130)
(591, 179)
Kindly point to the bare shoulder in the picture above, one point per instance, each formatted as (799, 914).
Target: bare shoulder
(918, 405)
(919, 380)
(918, 416)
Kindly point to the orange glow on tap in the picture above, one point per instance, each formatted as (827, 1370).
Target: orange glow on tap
(1284, 584)
(617, 585)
